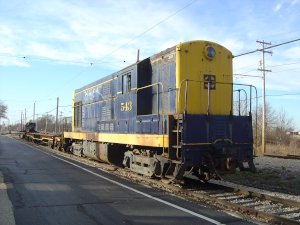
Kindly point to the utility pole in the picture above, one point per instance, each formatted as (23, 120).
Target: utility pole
(34, 116)
(34, 112)
(138, 56)
(21, 121)
(25, 118)
(36, 123)
(46, 123)
(56, 120)
(60, 118)
(264, 70)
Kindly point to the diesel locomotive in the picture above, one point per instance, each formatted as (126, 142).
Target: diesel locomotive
(165, 116)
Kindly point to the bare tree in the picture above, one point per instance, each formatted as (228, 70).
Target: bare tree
(46, 123)
(270, 121)
(283, 125)
(240, 104)
(3, 110)
(277, 125)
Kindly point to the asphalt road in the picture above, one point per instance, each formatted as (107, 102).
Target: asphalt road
(40, 188)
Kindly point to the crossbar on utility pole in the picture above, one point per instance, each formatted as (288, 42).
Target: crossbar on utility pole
(264, 70)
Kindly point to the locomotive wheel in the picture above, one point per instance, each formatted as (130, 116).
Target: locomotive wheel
(230, 164)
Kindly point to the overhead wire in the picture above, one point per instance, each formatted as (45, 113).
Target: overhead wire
(134, 38)
(279, 95)
(285, 64)
(87, 63)
(246, 75)
(271, 66)
(150, 28)
(272, 46)
(114, 50)
(48, 112)
(108, 54)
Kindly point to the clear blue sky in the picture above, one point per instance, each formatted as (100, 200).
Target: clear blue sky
(50, 48)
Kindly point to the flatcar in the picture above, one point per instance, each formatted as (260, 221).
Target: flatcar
(166, 116)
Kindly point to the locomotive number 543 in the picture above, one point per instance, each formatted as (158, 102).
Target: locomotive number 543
(126, 106)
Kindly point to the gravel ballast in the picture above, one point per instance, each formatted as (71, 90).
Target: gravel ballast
(278, 175)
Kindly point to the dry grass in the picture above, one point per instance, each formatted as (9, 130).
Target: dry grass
(280, 149)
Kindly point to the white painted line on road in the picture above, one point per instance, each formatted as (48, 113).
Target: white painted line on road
(133, 189)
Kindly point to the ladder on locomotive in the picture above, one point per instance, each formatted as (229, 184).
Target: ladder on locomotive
(175, 132)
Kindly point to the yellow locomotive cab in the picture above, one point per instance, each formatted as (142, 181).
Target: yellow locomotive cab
(203, 78)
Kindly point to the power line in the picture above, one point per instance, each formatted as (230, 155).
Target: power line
(64, 106)
(136, 37)
(150, 28)
(61, 106)
(291, 69)
(276, 95)
(279, 95)
(272, 46)
(246, 75)
(114, 50)
(147, 30)
(285, 64)
(40, 58)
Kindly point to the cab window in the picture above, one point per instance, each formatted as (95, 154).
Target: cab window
(126, 83)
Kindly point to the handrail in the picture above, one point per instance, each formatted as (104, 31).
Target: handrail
(209, 89)
(162, 106)
(186, 81)
(239, 91)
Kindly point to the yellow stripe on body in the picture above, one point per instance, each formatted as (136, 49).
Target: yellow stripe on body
(100, 101)
(96, 85)
(132, 89)
(151, 140)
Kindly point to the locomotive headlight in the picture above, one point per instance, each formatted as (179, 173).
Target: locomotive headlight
(210, 52)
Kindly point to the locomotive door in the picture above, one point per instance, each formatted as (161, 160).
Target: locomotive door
(124, 105)
(144, 96)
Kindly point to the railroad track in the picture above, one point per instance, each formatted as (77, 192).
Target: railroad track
(247, 203)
